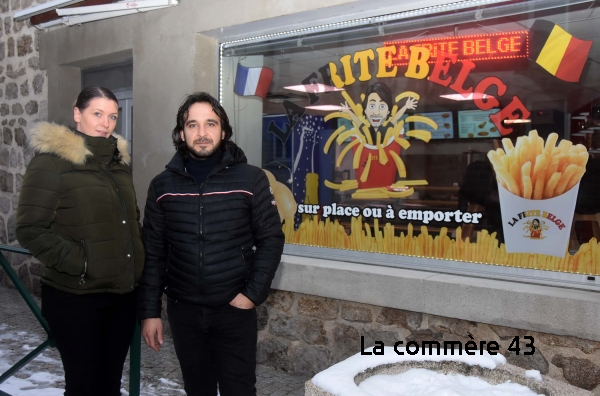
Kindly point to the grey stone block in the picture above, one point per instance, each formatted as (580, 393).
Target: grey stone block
(7, 136)
(528, 362)
(13, 158)
(310, 359)
(398, 317)
(20, 136)
(31, 107)
(4, 203)
(10, 44)
(356, 313)
(38, 84)
(280, 299)
(274, 353)
(11, 225)
(12, 91)
(6, 181)
(318, 307)
(579, 372)
(24, 88)
(14, 74)
(17, 109)
(34, 63)
(24, 45)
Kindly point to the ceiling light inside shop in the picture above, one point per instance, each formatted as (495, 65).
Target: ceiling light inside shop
(579, 118)
(460, 97)
(313, 88)
(518, 121)
(324, 108)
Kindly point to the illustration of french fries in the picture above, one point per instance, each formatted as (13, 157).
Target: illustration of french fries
(534, 169)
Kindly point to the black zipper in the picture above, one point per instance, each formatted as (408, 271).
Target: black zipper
(82, 279)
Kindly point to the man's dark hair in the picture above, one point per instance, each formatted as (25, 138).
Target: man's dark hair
(90, 93)
(384, 93)
(184, 111)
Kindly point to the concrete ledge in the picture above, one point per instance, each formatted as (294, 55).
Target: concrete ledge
(546, 309)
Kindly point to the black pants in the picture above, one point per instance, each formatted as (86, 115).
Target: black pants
(215, 345)
(92, 334)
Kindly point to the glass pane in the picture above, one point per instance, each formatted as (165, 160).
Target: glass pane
(465, 141)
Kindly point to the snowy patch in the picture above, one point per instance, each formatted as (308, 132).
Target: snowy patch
(168, 382)
(423, 382)
(40, 383)
(535, 374)
(45, 377)
(20, 387)
(339, 379)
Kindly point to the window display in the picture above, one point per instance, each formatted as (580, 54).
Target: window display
(445, 141)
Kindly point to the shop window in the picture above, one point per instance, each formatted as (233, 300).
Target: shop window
(466, 136)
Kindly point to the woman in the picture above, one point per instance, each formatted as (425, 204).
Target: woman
(78, 215)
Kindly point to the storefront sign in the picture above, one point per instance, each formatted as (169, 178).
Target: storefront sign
(506, 45)
(419, 68)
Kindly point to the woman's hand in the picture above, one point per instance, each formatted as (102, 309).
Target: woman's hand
(152, 332)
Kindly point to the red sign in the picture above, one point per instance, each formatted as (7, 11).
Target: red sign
(507, 45)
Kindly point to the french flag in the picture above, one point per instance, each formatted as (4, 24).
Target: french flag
(252, 81)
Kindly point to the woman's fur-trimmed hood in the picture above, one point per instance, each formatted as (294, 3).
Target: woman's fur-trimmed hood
(57, 139)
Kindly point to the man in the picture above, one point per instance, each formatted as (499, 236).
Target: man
(213, 242)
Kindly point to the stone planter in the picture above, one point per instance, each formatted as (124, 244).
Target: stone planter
(502, 373)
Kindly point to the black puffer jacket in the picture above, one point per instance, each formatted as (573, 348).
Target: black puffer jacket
(199, 239)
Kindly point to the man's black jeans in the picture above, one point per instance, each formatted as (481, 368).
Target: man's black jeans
(92, 334)
(215, 345)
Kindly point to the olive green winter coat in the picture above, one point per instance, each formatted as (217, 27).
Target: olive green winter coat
(78, 214)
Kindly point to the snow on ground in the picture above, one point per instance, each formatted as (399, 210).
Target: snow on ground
(535, 374)
(422, 382)
(339, 379)
(44, 376)
(27, 382)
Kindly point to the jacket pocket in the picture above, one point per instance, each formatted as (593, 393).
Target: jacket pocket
(101, 260)
(247, 258)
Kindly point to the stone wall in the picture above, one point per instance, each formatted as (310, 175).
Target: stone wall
(23, 101)
(305, 334)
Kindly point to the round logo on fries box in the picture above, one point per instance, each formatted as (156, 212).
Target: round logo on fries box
(537, 226)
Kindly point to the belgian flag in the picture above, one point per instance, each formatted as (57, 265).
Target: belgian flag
(561, 54)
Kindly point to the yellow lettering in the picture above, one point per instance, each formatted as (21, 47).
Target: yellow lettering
(384, 55)
(347, 69)
(362, 59)
(417, 65)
